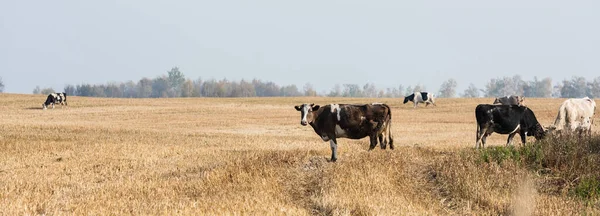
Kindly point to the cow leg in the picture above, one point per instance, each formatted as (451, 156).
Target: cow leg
(333, 144)
(382, 140)
(523, 137)
(373, 139)
(510, 137)
(415, 104)
(483, 138)
(478, 136)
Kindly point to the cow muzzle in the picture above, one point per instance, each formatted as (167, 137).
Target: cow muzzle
(303, 123)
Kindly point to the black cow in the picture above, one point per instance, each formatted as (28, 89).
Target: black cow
(506, 119)
(349, 121)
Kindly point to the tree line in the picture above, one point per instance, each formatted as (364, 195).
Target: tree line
(175, 84)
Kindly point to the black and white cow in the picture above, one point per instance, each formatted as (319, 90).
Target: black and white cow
(420, 97)
(506, 119)
(349, 121)
(55, 98)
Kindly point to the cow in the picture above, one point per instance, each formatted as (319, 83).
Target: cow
(51, 99)
(420, 97)
(575, 115)
(349, 121)
(510, 100)
(506, 119)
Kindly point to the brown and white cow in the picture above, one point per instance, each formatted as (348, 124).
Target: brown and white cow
(349, 121)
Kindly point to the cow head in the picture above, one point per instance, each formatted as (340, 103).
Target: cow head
(539, 132)
(409, 98)
(307, 113)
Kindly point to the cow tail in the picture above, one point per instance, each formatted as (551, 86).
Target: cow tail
(388, 126)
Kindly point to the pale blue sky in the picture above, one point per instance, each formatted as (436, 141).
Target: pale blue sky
(53, 43)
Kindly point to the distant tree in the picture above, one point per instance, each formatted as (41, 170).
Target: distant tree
(574, 88)
(46, 91)
(409, 90)
(594, 88)
(247, 89)
(129, 89)
(144, 88)
(37, 90)
(538, 88)
(448, 89)
(187, 89)
(113, 90)
(83, 90)
(336, 91)
(471, 91)
(352, 90)
(197, 88)
(1, 85)
(309, 90)
(160, 87)
(369, 90)
(290, 91)
(69, 89)
(176, 79)
(400, 91)
(504, 86)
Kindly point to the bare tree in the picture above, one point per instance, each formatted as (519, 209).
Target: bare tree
(448, 89)
(309, 90)
(46, 91)
(37, 90)
(471, 91)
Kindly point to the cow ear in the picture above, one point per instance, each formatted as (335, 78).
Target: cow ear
(315, 108)
(297, 108)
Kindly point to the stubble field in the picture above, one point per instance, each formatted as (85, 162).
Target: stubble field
(252, 156)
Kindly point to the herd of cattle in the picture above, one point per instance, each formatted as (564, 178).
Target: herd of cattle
(507, 115)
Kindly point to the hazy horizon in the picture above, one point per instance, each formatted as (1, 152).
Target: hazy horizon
(387, 43)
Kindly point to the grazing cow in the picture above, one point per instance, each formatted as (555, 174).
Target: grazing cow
(51, 99)
(420, 97)
(349, 121)
(510, 100)
(506, 119)
(575, 115)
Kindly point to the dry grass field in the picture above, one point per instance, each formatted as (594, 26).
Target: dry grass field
(252, 156)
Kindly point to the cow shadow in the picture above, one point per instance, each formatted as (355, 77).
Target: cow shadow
(34, 108)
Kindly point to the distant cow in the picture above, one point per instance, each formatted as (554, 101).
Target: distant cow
(55, 98)
(349, 121)
(506, 119)
(575, 115)
(420, 97)
(510, 100)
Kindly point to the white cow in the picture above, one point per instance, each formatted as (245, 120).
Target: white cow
(575, 115)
